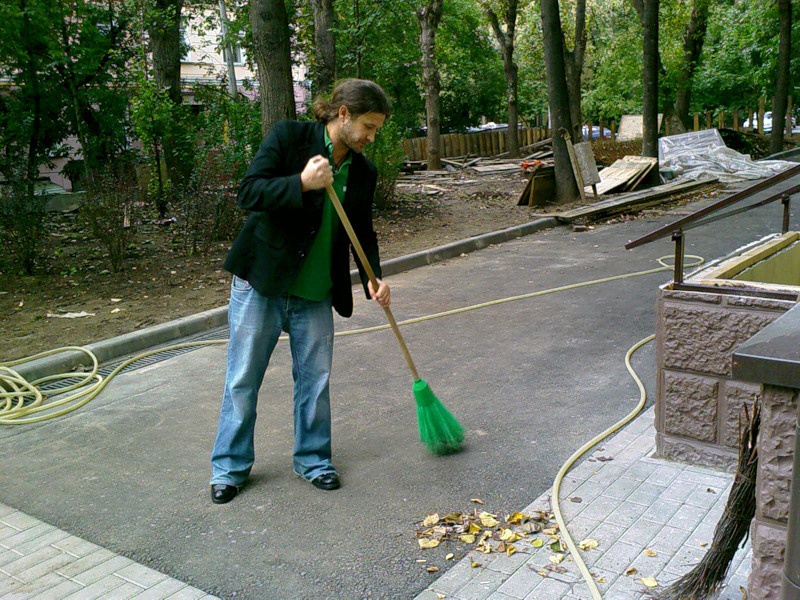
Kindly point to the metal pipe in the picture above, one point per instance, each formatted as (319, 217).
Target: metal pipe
(790, 583)
(786, 200)
(677, 237)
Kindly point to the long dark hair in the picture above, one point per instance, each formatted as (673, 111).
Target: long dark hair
(360, 96)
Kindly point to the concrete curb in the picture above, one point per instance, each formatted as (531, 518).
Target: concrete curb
(163, 333)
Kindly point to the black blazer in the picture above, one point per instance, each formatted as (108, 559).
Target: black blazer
(271, 247)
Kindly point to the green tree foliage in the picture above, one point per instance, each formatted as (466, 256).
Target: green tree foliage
(378, 40)
(741, 53)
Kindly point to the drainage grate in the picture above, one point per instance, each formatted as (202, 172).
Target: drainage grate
(107, 368)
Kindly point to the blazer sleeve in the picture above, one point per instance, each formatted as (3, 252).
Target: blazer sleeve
(268, 184)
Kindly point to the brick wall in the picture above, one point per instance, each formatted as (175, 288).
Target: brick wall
(775, 457)
(697, 402)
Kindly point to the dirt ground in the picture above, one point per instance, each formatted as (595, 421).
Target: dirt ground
(160, 282)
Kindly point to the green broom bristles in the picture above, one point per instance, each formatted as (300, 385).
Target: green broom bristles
(438, 429)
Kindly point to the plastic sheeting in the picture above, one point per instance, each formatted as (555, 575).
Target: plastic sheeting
(700, 154)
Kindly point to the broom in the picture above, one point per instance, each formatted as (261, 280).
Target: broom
(706, 578)
(439, 430)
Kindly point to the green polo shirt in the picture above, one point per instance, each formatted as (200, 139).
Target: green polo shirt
(314, 281)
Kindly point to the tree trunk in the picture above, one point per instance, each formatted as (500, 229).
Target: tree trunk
(270, 25)
(429, 17)
(325, 44)
(781, 99)
(573, 63)
(558, 99)
(506, 41)
(650, 80)
(164, 31)
(693, 41)
(165, 41)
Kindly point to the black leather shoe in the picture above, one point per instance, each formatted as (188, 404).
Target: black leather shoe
(327, 481)
(222, 493)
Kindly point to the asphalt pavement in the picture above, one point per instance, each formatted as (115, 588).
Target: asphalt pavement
(531, 381)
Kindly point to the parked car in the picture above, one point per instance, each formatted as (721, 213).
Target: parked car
(595, 132)
(767, 122)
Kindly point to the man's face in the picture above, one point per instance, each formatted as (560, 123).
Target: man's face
(357, 132)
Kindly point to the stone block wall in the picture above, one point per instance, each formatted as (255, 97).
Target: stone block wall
(697, 402)
(779, 410)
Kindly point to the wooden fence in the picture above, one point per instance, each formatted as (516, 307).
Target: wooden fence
(493, 142)
(481, 143)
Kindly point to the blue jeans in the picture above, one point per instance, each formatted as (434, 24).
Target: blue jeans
(256, 323)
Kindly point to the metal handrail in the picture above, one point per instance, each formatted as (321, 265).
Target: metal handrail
(681, 224)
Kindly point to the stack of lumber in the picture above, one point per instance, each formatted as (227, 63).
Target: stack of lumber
(625, 174)
(633, 201)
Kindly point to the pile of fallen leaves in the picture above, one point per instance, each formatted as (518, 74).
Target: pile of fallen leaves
(487, 533)
(484, 532)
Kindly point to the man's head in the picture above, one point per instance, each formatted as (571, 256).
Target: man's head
(359, 96)
(356, 110)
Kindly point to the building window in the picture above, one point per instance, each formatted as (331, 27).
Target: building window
(186, 48)
(238, 59)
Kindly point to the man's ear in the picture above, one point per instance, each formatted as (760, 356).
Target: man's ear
(343, 113)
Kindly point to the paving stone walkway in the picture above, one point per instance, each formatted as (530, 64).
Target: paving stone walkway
(39, 561)
(628, 502)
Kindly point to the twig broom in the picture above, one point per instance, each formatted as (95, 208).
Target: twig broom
(439, 430)
(706, 578)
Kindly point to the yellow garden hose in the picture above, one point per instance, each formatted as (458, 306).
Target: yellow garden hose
(562, 526)
(22, 402)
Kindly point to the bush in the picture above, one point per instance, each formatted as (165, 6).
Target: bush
(112, 209)
(388, 155)
(22, 218)
(207, 208)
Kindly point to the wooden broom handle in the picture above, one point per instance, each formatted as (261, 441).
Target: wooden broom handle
(371, 276)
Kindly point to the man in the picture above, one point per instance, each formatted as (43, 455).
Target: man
(290, 267)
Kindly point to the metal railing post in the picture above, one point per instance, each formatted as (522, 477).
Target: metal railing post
(677, 237)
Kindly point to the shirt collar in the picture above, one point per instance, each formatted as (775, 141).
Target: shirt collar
(329, 147)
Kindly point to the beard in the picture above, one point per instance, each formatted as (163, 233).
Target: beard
(349, 138)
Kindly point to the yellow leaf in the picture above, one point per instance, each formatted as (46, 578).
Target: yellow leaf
(474, 528)
(485, 548)
(542, 572)
(432, 569)
(508, 536)
(703, 544)
(431, 520)
(648, 552)
(601, 580)
(550, 530)
(421, 560)
(488, 519)
(588, 544)
(649, 582)
(517, 518)
(441, 596)
(631, 571)
(441, 531)
(477, 501)
(467, 538)
(537, 543)
(449, 556)
(556, 558)
(510, 549)
(475, 565)
(425, 543)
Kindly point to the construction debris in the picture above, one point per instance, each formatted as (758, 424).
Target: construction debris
(639, 200)
(627, 173)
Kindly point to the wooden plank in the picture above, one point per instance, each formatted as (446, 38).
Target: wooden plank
(633, 199)
(501, 168)
(622, 171)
